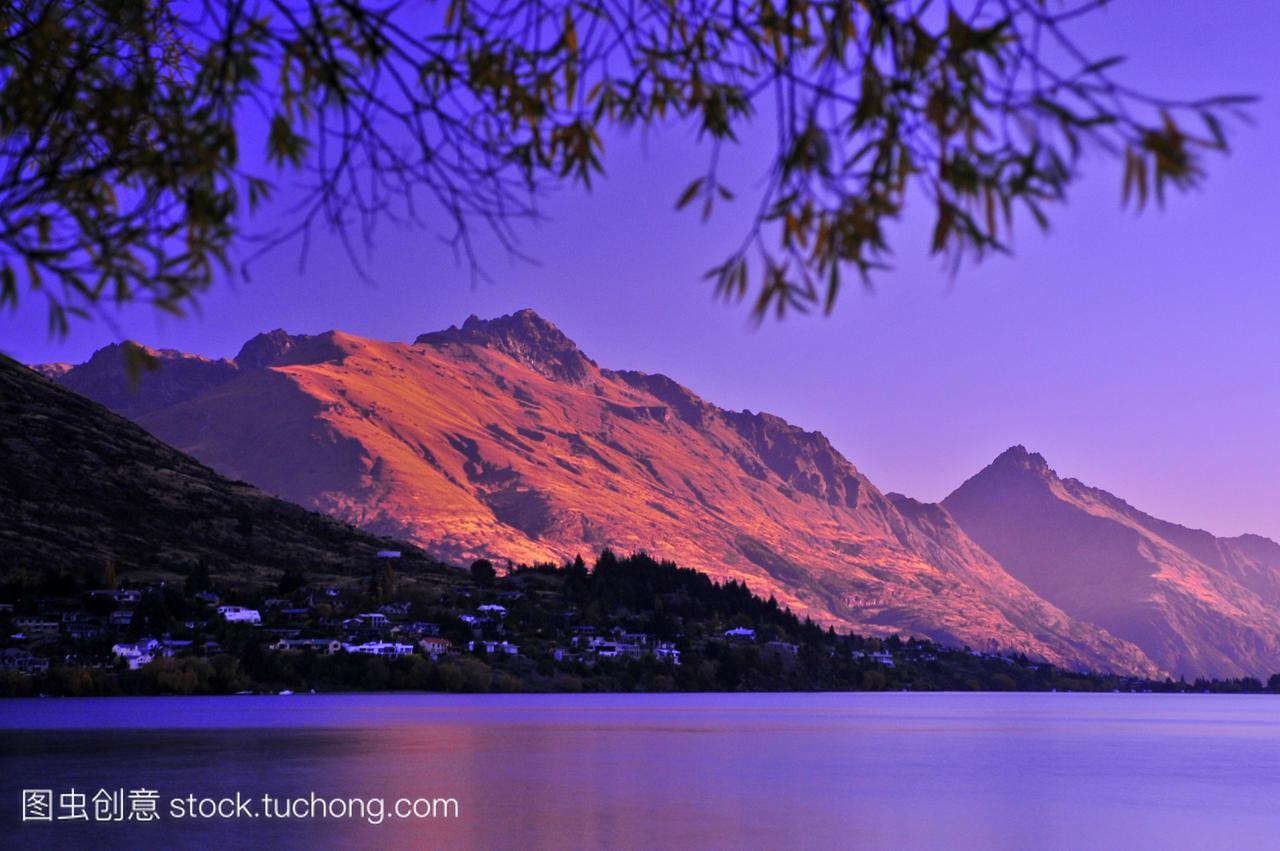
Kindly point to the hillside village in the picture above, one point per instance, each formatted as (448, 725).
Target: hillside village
(627, 624)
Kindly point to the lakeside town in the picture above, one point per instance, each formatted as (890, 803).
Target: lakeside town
(627, 624)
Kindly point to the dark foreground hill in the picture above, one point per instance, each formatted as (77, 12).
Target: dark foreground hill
(81, 487)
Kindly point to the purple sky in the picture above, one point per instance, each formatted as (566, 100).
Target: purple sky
(1139, 354)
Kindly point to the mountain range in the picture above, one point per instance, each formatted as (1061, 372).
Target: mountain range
(502, 439)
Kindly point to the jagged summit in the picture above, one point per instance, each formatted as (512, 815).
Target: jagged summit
(1196, 604)
(525, 336)
(280, 348)
(264, 349)
(105, 378)
(1018, 457)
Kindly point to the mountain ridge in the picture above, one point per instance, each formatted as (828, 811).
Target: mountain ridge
(1197, 604)
(500, 438)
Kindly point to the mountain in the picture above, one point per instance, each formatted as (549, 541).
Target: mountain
(1196, 604)
(502, 439)
(81, 486)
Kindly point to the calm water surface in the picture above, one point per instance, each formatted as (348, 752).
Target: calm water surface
(669, 771)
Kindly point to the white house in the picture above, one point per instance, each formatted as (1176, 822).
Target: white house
(492, 609)
(239, 614)
(495, 647)
(880, 657)
(741, 632)
(667, 652)
(379, 648)
(137, 653)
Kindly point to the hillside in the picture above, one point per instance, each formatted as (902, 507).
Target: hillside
(1196, 604)
(502, 439)
(81, 486)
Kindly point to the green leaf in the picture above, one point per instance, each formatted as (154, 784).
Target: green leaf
(690, 192)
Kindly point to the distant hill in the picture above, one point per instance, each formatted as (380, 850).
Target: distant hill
(501, 439)
(81, 486)
(1196, 604)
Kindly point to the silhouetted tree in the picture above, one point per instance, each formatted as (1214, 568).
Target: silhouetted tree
(126, 169)
(198, 578)
(108, 578)
(292, 580)
(482, 572)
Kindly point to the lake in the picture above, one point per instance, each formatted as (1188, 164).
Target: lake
(652, 771)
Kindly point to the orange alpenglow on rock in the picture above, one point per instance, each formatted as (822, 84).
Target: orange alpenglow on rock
(501, 439)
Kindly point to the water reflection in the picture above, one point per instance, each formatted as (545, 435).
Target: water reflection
(653, 771)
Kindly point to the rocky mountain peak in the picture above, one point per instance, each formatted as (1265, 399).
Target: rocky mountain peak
(524, 336)
(264, 349)
(1019, 458)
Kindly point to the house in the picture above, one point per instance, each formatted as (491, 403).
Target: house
(136, 654)
(492, 647)
(36, 625)
(641, 639)
(209, 597)
(239, 614)
(82, 629)
(170, 648)
(6, 608)
(740, 633)
(783, 648)
(418, 628)
(395, 610)
(327, 646)
(15, 659)
(667, 652)
(470, 620)
(880, 657)
(379, 648)
(120, 618)
(275, 603)
(367, 626)
(436, 647)
(124, 597)
(492, 609)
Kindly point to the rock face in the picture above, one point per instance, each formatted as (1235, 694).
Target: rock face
(179, 377)
(1196, 604)
(501, 439)
(80, 486)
